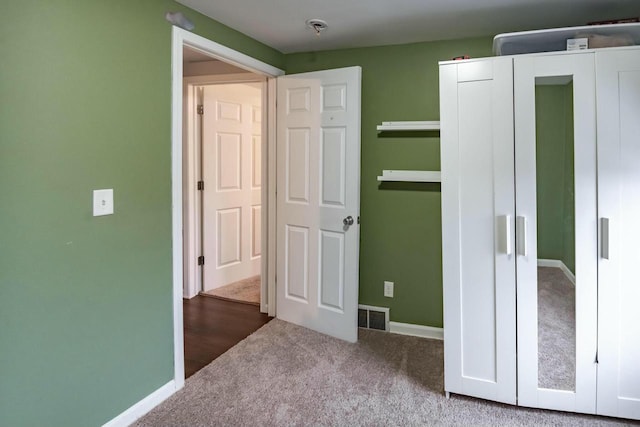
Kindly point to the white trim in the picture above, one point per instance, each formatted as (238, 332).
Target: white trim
(218, 51)
(176, 204)
(264, 198)
(270, 189)
(223, 79)
(556, 263)
(136, 411)
(416, 330)
(191, 204)
(180, 38)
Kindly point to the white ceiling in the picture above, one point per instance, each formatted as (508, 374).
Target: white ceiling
(358, 23)
(192, 55)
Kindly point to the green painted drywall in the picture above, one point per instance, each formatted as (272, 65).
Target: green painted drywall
(554, 178)
(400, 235)
(86, 325)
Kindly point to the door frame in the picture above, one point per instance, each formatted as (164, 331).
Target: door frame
(192, 162)
(179, 39)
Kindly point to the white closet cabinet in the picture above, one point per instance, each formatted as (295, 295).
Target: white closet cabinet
(618, 92)
(540, 201)
(477, 227)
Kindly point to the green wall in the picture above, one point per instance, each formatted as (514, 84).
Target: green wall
(85, 303)
(555, 177)
(400, 223)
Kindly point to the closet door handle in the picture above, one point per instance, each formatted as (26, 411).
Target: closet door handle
(604, 238)
(504, 227)
(521, 235)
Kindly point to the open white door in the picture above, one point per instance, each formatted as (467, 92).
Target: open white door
(231, 170)
(318, 200)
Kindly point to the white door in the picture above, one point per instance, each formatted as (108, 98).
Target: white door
(618, 93)
(557, 320)
(318, 200)
(476, 115)
(231, 171)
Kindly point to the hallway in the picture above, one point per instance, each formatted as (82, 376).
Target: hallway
(212, 326)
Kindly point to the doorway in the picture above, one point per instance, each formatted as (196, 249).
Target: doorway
(222, 177)
(226, 64)
(223, 173)
(318, 257)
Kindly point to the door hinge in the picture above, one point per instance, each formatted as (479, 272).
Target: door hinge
(201, 260)
(597, 357)
(200, 185)
(200, 109)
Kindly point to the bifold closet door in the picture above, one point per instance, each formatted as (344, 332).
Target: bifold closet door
(618, 91)
(555, 152)
(476, 115)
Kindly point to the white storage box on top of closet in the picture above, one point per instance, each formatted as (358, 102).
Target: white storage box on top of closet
(540, 160)
(555, 39)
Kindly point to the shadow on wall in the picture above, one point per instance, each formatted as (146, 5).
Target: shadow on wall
(411, 186)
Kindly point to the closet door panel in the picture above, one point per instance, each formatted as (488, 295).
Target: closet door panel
(618, 92)
(477, 206)
(555, 152)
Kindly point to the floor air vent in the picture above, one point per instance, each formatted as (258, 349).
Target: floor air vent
(373, 317)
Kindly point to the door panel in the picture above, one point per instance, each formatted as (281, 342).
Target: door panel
(231, 170)
(556, 202)
(297, 169)
(229, 245)
(618, 92)
(256, 231)
(477, 228)
(297, 261)
(318, 182)
(331, 282)
(229, 161)
(333, 154)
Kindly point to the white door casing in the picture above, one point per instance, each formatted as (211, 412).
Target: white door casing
(476, 115)
(526, 69)
(618, 105)
(318, 187)
(231, 170)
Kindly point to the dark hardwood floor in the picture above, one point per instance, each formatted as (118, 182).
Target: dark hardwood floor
(212, 326)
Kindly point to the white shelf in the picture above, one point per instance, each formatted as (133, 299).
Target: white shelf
(386, 126)
(410, 176)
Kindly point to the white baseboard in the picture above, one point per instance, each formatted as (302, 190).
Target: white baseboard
(416, 330)
(558, 264)
(139, 409)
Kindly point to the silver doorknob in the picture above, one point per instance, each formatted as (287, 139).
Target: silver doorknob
(348, 221)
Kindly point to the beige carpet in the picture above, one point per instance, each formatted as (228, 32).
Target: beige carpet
(246, 291)
(285, 375)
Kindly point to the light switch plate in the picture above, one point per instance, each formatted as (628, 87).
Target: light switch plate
(102, 202)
